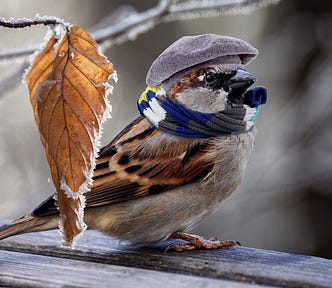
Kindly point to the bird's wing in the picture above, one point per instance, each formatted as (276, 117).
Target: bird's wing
(142, 161)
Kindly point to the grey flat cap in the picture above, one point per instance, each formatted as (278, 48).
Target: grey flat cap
(201, 50)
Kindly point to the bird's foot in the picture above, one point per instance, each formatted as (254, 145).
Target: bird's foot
(198, 242)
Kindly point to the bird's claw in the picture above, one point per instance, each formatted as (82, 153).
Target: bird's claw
(198, 242)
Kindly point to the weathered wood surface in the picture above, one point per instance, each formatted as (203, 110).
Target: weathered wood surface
(21, 269)
(37, 260)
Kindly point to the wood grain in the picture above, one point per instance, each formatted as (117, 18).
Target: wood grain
(239, 264)
(21, 269)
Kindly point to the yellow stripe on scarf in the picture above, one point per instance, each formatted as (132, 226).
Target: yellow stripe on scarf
(143, 96)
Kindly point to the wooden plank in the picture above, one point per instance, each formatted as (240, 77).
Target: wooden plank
(20, 269)
(239, 264)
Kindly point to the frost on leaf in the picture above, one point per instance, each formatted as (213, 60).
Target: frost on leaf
(67, 85)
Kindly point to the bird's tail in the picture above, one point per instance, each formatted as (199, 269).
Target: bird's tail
(27, 224)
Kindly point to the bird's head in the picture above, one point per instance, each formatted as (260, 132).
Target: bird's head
(206, 74)
(210, 89)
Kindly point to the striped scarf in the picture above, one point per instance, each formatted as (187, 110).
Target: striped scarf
(175, 118)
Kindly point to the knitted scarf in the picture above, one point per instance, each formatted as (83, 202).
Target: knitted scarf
(175, 118)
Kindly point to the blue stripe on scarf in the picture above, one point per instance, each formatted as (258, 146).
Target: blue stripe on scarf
(184, 115)
(188, 123)
(142, 106)
(150, 95)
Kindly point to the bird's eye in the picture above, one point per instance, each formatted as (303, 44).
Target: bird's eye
(210, 80)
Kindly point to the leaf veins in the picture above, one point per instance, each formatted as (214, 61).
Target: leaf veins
(68, 98)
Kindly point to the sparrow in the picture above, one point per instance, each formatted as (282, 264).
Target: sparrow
(176, 163)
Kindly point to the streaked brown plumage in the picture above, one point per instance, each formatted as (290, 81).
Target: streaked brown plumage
(180, 181)
(149, 184)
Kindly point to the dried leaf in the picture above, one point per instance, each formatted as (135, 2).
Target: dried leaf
(67, 93)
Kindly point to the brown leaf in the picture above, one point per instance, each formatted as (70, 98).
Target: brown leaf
(67, 93)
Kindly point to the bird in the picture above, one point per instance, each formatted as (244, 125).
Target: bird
(181, 158)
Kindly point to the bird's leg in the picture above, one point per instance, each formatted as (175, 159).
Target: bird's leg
(198, 242)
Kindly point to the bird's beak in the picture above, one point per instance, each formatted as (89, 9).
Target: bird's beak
(238, 84)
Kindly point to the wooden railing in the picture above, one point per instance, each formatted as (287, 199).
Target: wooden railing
(37, 260)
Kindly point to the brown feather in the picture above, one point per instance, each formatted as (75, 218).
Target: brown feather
(160, 162)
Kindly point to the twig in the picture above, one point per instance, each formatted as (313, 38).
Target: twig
(10, 81)
(18, 52)
(142, 22)
(23, 22)
(165, 11)
(26, 22)
(200, 8)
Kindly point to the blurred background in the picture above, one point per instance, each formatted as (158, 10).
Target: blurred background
(285, 202)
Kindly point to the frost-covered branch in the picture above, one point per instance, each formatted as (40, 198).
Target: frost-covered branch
(22, 23)
(25, 22)
(138, 23)
(10, 80)
(209, 8)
